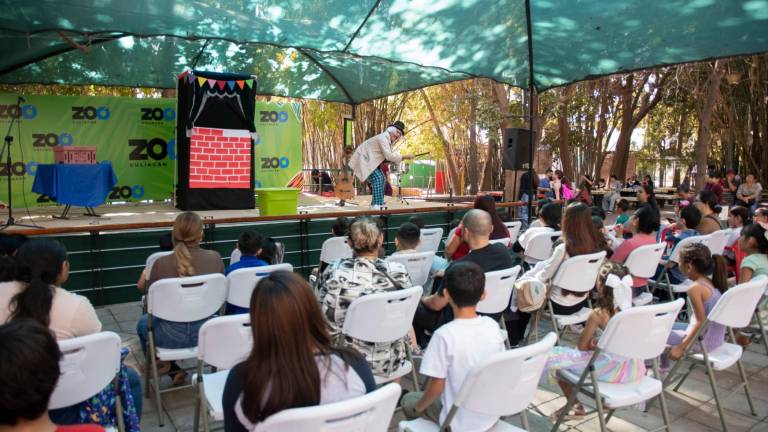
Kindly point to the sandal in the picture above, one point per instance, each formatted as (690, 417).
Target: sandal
(577, 412)
(177, 374)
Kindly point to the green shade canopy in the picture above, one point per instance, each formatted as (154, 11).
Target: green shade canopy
(356, 50)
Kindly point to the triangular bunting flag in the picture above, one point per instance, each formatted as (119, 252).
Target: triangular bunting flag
(221, 84)
(191, 78)
(249, 83)
(183, 74)
(240, 83)
(212, 83)
(201, 81)
(231, 85)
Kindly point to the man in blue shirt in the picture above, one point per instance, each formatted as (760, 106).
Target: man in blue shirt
(249, 245)
(545, 185)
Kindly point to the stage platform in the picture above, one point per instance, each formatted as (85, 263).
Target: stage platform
(157, 215)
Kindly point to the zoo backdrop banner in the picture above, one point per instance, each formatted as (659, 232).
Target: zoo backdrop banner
(278, 148)
(136, 136)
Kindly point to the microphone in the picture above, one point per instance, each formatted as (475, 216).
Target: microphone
(21, 100)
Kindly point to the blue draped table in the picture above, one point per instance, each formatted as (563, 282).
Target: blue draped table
(76, 184)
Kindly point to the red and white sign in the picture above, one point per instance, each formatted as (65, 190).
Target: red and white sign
(220, 158)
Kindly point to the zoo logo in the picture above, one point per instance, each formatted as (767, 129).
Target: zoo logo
(26, 112)
(273, 162)
(158, 114)
(90, 113)
(273, 116)
(19, 169)
(155, 148)
(51, 140)
(127, 192)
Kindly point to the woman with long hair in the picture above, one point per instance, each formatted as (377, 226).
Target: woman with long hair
(709, 206)
(42, 268)
(754, 243)
(646, 197)
(187, 259)
(346, 279)
(579, 238)
(294, 362)
(458, 248)
(710, 281)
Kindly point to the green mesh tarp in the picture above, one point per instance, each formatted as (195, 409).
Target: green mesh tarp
(356, 50)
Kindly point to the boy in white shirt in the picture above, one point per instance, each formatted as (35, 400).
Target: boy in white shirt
(453, 350)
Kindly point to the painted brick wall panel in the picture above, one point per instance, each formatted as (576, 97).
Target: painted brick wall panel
(220, 158)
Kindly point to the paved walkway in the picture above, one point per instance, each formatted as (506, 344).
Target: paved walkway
(692, 409)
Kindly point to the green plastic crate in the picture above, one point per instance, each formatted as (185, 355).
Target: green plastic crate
(278, 201)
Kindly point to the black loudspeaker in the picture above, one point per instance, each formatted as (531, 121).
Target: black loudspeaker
(516, 148)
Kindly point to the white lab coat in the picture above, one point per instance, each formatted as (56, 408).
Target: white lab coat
(371, 153)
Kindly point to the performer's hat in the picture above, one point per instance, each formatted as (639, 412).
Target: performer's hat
(400, 126)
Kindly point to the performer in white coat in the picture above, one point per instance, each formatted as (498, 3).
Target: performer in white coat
(371, 153)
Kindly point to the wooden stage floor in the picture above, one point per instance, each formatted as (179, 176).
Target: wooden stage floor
(134, 215)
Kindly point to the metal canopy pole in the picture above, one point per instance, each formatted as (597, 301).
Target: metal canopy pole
(531, 92)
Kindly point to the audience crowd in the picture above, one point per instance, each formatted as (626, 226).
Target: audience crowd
(302, 357)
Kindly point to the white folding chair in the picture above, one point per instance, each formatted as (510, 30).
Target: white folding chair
(335, 248)
(514, 230)
(88, 364)
(223, 342)
(674, 259)
(643, 262)
(430, 240)
(576, 274)
(733, 310)
(417, 264)
(184, 299)
(506, 241)
(638, 333)
(242, 282)
(502, 385)
(385, 317)
(717, 241)
(152, 258)
(498, 292)
(368, 413)
(235, 256)
(539, 246)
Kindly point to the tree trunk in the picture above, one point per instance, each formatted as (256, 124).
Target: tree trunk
(474, 161)
(621, 156)
(705, 116)
(564, 131)
(488, 172)
(447, 150)
(682, 135)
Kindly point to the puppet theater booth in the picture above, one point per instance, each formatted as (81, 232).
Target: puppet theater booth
(215, 135)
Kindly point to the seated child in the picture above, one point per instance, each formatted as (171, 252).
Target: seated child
(454, 349)
(407, 239)
(614, 293)
(689, 218)
(249, 245)
(622, 212)
(696, 262)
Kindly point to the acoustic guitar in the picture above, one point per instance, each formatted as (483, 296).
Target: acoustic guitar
(344, 187)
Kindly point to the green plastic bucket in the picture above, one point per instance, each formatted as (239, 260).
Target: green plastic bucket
(277, 201)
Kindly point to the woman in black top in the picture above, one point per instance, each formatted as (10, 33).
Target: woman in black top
(293, 363)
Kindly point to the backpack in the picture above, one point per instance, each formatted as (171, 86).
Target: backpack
(530, 294)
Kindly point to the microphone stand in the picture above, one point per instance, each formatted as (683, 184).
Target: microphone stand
(9, 164)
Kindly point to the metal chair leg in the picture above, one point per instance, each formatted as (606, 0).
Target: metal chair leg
(503, 326)
(598, 399)
(199, 395)
(524, 419)
(204, 409)
(713, 384)
(662, 400)
(680, 382)
(610, 414)
(414, 375)
(155, 378)
(762, 329)
(119, 404)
